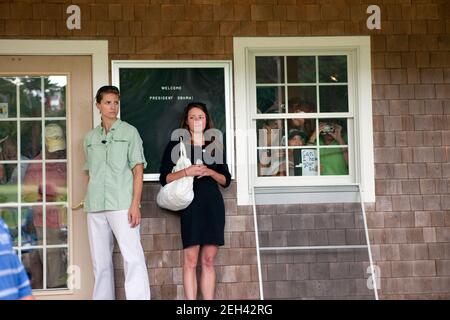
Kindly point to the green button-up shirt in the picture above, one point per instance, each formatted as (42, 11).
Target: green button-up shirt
(110, 159)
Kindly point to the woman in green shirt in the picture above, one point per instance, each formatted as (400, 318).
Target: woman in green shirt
(115, 163)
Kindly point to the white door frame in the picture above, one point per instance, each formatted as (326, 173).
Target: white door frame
(98, 49)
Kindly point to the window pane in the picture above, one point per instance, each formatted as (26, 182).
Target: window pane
(8, 100)
(333, 162)
(30, 97)
(270, 133)
(271, 162)
(333, 98)
(32, 261)
(270, 100)
(11, 218)
(333, 69)
(32, 234)
(301, 69)
(56, 182)
(55, 139)
(8, 140)
(302, 162)
(333, 132)
(56, 268)
(56, 225)
(8, 183)
(31, 139)
(269, 70)
(302, 99)
(55, 96)
(32, 183)
(301, 130)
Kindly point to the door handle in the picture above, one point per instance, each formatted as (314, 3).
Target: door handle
(78, 206)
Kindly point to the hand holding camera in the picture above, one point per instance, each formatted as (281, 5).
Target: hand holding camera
(333, 129)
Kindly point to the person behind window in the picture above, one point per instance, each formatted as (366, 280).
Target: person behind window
(14, 282)
(296, 105)
(333, 161)
(203, 221)
(297, 138)
(271, 162)
(55, 190)
(115, 163)
(8, 152)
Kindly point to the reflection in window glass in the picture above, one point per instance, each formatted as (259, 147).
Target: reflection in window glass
(8, 101)
(55, 96)
(301, 69)
(32, 183)
(269, 70)
(270, 133)
(270, 100)
(303, 162)
(333, 98)
(299, 105)
(8, 140)
(56, 225)
(333, 69)
(55, 182)
(8, 183)
(31, 221)
(27, 225)
(271, 162)
(30, 139)
(304, 95)
(30, 96)
(32, 261)
(56, 268)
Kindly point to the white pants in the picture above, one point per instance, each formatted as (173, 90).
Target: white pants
(101, 226)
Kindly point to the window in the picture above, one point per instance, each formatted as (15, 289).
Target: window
(33, 174)
(306, 101)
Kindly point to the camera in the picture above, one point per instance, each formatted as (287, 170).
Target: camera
(327, 128)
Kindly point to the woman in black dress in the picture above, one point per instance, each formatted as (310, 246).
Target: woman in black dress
(203, 221)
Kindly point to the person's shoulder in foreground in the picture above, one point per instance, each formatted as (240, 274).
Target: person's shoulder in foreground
(14, 282)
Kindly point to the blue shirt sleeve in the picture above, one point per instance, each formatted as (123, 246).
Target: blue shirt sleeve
(22, 281)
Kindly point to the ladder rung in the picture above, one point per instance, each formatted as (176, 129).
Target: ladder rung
(313, 248)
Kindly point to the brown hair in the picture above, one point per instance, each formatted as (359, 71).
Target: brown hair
(106, 89)
(201, 106)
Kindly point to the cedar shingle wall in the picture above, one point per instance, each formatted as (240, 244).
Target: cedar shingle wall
(410, 221)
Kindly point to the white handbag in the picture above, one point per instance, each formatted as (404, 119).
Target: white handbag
(178, 194)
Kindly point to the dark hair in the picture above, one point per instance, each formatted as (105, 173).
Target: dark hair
(296, 103)
(201, 106)
(106, 89)
(299, 133)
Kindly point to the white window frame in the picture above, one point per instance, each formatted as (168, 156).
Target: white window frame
(320, 189)
(98, 50)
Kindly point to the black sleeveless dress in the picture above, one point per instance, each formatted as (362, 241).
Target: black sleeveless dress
(203, 221)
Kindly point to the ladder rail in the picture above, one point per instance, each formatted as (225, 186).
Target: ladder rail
(372, 269)
(258, 256)
(293, 248)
